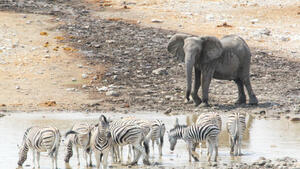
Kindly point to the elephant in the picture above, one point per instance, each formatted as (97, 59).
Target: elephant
(225, 59)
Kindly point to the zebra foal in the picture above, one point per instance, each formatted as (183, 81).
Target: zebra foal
(157, 135)
(194, 134)
(78, 137)
(101, 141)
(209, 118)
(236, 126)
(40, 139)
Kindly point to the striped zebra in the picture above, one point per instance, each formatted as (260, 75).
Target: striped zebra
(176, 133)
(79, 137)
(157, 135)
(236, 126)
(209, 118)
(195, 134)
(146, 128)
(40, 139)
(101, 141)
(127, 132)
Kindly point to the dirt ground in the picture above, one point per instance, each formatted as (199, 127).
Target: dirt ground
(103, 55)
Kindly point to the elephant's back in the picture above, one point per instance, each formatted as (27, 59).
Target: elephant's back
(237, 45)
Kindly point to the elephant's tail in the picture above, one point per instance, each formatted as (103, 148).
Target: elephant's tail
(175, 45)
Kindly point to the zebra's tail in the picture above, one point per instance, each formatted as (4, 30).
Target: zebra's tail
(56, 144)
(236, 130)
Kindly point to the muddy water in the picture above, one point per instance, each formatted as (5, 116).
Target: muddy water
(268, 138)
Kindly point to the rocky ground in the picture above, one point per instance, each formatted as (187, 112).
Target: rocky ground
(141, 75)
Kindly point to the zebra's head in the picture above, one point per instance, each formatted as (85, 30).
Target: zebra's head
(23, 149)
(103, 126)
(172, 134)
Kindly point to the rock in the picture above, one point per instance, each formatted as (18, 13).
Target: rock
(74, 79)
(112, 93)
(295, 119)
(285, 38)
(47, 56)
(160, 71)
(262, 112)
(261, 162)
(254, 21)
(17, 87)
(79, 66)
(84, 76)
(84, 86)
(168, 111)
(48, 104)
(265, 31)
(71, 89)
(110, 41)
(156, 21)
(102, 89)
(2, 115)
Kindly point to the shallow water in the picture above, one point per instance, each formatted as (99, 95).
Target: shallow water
(268, 138)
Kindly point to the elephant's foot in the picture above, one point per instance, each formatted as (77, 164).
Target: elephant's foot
(253, 100)
(197, 101)
(240, 101)
(206, 104)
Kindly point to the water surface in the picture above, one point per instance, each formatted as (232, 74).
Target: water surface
(268, 138)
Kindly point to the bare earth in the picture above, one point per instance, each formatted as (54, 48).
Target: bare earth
(97, 47)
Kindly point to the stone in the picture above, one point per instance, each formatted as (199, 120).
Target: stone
(160, 71)
(295, 119)
(285, 38)
(84, 86)
(157, 21)
(74, 79)
(112, 93)
(102, 89)
(84, 76)
(254, 21)
(168, 111)
(265, 31)
(17, 87)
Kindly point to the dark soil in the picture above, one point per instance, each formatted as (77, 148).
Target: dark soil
(131, 53)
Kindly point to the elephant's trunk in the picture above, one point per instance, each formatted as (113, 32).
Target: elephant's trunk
(189, 64)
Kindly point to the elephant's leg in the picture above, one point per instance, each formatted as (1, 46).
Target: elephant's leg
(242, 96)
(252, 98)
(197, 83)
(205, 81)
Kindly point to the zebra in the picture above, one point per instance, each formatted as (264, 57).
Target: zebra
(79, 137)
(124, 132)
(146, 128)
(157, 135)
(40, 139)
(176, 133)
(236, 126)
(101, 141)
(209, 118)
(194, 134)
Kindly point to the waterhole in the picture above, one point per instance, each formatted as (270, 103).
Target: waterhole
(268, 138)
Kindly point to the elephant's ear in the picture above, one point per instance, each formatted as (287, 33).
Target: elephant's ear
(175, 45)
(211, 48)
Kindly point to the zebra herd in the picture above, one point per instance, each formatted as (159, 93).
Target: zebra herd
(110, 136)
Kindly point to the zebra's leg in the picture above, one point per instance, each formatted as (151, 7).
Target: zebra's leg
(216, 149)
(55, 158)
(159, 143)
(85, 157)
(136, 156)
(90, 155)
(194, 154)
(189, 150)
(105, 155)
(38, 158)
(97, 157)
(231, 145)
(210, 149)
(240, 146)
(33, 158)
(130, 153)
(77, 155)
(153, 146)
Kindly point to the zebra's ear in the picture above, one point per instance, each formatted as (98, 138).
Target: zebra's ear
(103, 119)
(176, 122)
